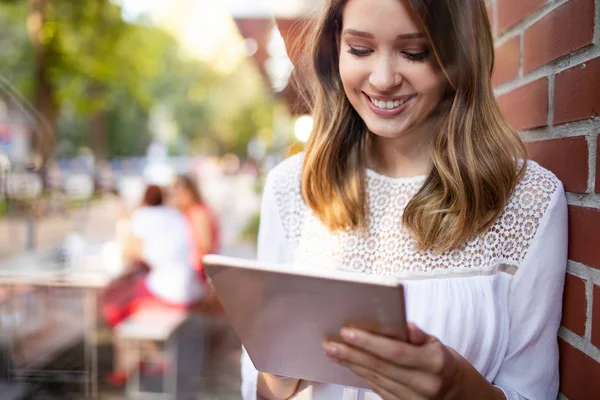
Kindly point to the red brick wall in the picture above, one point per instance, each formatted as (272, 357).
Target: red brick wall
(547, 79)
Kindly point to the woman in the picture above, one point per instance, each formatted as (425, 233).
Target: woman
(411, 171)
(158, 238)
(205, 235)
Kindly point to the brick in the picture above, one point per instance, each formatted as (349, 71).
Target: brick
(568, 28)
(574, 305)
(584, 236)
(596, 317)
(598, 167)
(512, 11)
(527, 106)
(507, 61)
(566, 157)
(578, 373)
(576, 94)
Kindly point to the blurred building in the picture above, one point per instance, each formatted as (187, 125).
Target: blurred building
(272, 33)
(273, 37)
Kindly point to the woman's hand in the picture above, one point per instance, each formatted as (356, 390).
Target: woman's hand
(276, 387)
(422, 368)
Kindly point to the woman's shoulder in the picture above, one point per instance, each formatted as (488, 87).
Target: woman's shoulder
(283, 181)
(142, 212)
(288, 170)
(532, 197)
(512, 234)
(536, 189)
(282, 194)
(165, 213)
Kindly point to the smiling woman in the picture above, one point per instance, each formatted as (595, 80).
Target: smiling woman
(411, 171)
(399, 88)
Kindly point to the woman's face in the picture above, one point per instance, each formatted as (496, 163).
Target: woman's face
(181, 196)
(387, 67)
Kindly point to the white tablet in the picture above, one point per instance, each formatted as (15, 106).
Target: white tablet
(283, 315)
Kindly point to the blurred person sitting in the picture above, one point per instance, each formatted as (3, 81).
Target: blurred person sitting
(203, 221)
(159, 239)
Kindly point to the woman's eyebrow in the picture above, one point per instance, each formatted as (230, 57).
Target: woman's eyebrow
(412, 35)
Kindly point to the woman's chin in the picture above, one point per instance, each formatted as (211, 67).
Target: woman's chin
(394, 130)
(387, 133)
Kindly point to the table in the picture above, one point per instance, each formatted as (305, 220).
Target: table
(88, 272)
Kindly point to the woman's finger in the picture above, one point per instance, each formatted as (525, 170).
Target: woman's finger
(385, 395)
(416, 336)
(384, 386)
(418, 380)
(400, 353)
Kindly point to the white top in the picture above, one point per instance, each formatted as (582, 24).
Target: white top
(167, 250)
(497, 300)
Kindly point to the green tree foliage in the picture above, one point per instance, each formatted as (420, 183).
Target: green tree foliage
(16, 54)
(221, 113)
(104, 75)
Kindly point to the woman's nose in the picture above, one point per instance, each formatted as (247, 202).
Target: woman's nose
(384, 76)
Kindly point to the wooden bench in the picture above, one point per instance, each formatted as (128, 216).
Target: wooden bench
(153, 324)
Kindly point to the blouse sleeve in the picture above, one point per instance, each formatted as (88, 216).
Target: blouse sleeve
(530, 367)
(272, 248)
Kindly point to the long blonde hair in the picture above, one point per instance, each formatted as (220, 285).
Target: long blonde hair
(476, 154)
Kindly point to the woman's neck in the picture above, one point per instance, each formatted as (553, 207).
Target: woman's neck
(405, 156)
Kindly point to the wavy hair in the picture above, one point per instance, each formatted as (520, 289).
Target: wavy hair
(476, 155)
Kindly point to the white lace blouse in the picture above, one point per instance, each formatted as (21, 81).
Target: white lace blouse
(497, 300)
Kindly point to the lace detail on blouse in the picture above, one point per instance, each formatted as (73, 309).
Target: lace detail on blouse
(388, 248)
(288, 197)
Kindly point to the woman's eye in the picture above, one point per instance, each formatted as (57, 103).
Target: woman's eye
(359, 52)
(416, 56)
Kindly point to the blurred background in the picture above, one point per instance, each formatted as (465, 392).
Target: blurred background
(101, 98)
(98, 99)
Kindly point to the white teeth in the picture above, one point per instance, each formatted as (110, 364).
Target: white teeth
(389, 104)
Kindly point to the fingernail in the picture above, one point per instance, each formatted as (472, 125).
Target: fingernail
(331, 350)
(348, 334)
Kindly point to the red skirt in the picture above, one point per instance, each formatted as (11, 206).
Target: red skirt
(130, 293)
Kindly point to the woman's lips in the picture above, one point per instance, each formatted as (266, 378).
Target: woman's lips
(397, 104)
